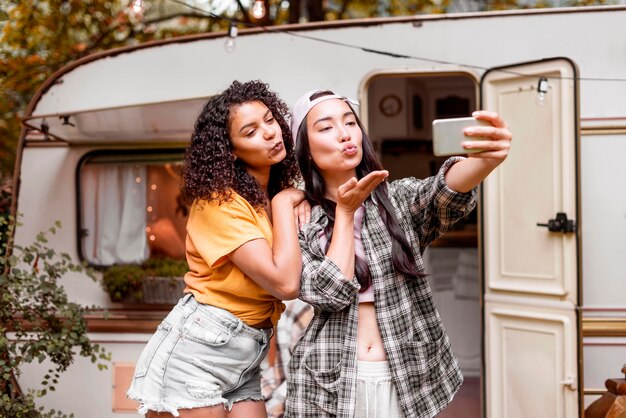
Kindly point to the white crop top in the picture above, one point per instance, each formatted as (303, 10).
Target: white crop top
(368, 294)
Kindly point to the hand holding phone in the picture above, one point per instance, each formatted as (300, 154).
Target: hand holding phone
(448, 135)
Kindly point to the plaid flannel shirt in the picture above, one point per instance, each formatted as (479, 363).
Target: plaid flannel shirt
(323, 368)
(289, 330)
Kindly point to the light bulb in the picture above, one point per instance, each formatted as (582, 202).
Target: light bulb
(229, 44)
(137, 6)
(542, 90)
(258, 9)
(540, 99)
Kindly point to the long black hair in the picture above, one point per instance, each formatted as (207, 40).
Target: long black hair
(315, 191)
(211, 170)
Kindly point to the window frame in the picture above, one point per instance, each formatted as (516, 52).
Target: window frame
(176, 154)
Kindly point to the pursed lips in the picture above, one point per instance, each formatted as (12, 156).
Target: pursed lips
(349, 148)
(277, 147)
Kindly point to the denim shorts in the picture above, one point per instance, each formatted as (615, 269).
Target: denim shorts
(199, 356)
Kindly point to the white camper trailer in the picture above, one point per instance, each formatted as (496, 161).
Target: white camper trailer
(536, 315)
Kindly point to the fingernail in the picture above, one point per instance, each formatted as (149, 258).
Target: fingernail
(469, 131)
(476, 113)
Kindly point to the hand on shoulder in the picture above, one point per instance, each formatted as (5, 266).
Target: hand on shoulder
(290, 195)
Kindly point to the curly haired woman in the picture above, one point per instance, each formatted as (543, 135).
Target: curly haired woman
(204, 359)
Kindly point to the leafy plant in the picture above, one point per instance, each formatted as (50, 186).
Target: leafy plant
(123, 281)
(6, 189)
(126, 281)
(43, 323)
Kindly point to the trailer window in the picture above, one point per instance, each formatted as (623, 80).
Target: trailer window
(131, 208)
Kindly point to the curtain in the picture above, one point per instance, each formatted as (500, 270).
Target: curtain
(114, 213)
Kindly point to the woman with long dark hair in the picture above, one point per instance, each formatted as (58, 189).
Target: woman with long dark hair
(376, 346)
(243, 254)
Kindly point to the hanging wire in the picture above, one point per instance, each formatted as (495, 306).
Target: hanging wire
(379, 52)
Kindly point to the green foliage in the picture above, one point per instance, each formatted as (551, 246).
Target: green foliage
(6, 188)
(165, 267)
(124, 281)
(44, 324)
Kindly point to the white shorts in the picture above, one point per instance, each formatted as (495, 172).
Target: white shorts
(376, 395)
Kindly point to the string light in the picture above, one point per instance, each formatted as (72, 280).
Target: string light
(258, 9)
(387, 53)
(229, 44)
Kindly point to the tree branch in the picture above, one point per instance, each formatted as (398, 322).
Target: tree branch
(344, 8)
(244, 11)
(103, 35)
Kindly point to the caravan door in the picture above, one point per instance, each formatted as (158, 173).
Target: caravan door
(531, 254)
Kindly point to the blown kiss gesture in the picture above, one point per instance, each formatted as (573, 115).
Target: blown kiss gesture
(353, 193)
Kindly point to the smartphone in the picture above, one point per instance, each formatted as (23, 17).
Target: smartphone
(448, 135)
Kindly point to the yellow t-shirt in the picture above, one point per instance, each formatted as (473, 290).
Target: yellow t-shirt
(214, 231)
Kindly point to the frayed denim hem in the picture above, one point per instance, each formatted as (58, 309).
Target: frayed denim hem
(229, 403)
(145, 406)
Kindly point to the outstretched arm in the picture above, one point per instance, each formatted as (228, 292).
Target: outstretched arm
(467, 174)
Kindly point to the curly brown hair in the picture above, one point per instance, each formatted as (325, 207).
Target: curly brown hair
(211, 171)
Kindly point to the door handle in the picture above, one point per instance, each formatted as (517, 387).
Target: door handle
(570, 383)
(560, 224)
